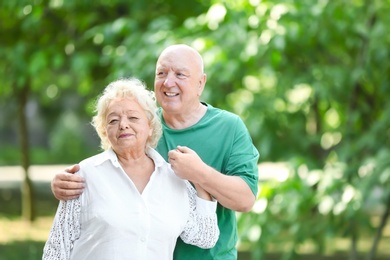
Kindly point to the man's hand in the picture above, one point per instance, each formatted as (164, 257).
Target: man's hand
(66, 185)
(231, 192)
(187, 164)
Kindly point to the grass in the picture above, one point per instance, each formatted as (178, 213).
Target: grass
(24, 240)
(20, 239)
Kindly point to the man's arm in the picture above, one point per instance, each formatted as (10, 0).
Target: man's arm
(66, 185)
(230, 191)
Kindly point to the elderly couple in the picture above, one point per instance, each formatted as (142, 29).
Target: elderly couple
(170, 179)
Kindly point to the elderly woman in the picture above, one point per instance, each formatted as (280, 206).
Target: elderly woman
(134, 206)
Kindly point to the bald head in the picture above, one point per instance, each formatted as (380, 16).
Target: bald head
(184, 54)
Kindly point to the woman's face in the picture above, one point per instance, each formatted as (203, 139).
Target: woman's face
(127, 126)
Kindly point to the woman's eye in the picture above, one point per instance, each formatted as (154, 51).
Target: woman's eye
(112, 121)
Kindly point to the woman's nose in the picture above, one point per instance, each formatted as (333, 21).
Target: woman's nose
(124, 123)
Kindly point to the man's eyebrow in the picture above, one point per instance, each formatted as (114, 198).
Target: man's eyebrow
(183, 69)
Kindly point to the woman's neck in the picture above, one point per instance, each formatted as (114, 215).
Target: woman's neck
(138, 169)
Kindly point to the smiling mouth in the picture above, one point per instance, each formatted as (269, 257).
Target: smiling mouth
(170, 94)
(124, 135)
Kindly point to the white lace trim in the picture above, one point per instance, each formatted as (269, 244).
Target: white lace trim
(65, 230)
(201, 229)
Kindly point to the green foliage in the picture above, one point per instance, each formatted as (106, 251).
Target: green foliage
(309, 78)
(31, 250)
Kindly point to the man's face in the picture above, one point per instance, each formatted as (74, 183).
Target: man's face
(178, 81)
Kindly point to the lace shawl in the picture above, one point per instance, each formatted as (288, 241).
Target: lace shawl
(65, 230)
(201, 229)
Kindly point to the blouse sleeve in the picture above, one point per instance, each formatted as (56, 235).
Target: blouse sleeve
(202, 226)
(64, 231)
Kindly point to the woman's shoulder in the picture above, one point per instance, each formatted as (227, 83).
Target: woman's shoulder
(94, 158)
(92, 162)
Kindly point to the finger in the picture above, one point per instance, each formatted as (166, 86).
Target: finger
(172, 154)
(71, 185)
(68, 194)
(66, 177)
(171, 161)
(183, 149)
(72, 169)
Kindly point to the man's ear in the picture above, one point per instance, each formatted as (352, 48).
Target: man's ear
(202, 83)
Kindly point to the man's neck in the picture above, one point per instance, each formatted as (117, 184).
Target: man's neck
(185, 119)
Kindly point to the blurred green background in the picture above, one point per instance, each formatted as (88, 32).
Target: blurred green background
(310, 78)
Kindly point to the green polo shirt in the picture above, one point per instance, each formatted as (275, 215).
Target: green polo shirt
(223, 142)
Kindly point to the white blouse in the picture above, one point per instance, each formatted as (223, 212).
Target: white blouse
(111, 220)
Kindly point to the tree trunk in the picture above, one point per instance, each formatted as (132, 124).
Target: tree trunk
(378, 235)
(354, 238)
(27, 189)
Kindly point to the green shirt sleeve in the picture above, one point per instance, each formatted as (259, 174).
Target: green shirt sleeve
(244, 157)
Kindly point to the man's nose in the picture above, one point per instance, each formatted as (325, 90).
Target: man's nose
(169, 80)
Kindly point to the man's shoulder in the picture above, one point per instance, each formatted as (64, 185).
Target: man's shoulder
(222, 114)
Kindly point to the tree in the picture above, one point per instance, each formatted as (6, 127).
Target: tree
(48, 47)
(310, 80)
